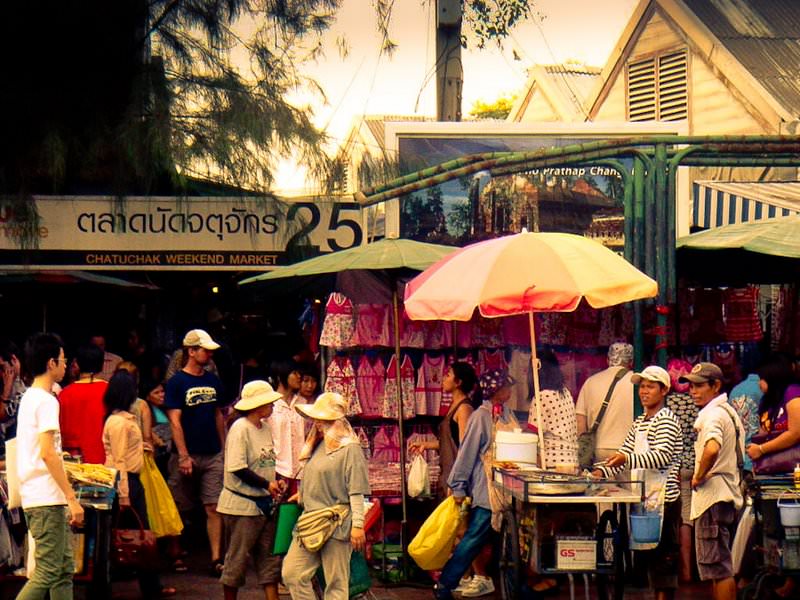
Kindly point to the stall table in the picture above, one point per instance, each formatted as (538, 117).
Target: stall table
(556, 524)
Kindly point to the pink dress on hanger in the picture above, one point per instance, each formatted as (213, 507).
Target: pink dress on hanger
(412, 333)
(428, 392)
(491, 359)
(370, 382)
(341, 378)
(372, 325)
(339, 324)
(389, 410)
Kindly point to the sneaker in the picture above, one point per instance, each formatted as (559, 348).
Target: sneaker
(480, 586)
(463, 584)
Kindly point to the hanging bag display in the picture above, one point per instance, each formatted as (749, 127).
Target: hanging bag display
(587, 441)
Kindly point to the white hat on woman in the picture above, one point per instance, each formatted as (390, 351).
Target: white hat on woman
(329, 406)
(257, 393)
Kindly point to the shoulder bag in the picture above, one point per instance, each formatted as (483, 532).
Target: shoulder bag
(588, 439)
(263, 503)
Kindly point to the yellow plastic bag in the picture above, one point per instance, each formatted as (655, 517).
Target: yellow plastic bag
(433, 544)
(161, 510)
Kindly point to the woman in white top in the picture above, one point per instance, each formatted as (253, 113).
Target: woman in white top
(558, 415)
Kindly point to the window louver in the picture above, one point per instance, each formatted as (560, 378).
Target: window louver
(657, 89)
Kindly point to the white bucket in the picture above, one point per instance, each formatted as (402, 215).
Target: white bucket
(789, 508)
(516, 446)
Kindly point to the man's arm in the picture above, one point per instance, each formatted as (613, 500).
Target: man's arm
(184, 460)
(55, 466)
(580, 421)
(710, 455)
(219, 421)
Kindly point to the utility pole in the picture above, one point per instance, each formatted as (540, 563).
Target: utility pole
(449, 71)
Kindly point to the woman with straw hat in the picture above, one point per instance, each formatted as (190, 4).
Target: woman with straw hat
(248, 482)
(334, 475)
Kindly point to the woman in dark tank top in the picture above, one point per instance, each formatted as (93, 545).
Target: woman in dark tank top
(459, 380)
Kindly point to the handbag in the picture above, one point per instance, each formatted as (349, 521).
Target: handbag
(134, 548)
(315, 527)
(782, 461)
(587, 441)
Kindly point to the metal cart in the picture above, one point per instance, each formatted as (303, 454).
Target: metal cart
(774, 543)
(561, 525)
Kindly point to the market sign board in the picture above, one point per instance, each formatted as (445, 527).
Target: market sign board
(174, 233)
(584, 199)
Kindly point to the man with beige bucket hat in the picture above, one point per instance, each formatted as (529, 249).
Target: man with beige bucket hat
(249, 482)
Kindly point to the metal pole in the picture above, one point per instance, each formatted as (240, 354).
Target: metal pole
(537, 397)
(399, 400)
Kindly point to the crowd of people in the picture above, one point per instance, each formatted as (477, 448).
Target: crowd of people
(282, 441)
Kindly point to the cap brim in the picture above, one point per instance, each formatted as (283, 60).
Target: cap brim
(690, 378)
(211, 346)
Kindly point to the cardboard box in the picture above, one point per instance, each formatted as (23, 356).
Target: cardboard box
(576, 554)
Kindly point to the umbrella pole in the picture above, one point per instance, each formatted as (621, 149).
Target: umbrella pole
(399, 399)
(536, 395)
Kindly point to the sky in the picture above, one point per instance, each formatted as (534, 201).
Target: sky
(366, 82)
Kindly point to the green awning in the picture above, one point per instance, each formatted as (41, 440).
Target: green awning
(775, 237)
(385, 254)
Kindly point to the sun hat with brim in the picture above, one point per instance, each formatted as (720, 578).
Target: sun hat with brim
(329, 406)
(256, 393)
(199, 338)
(702, 373)
(652, 373)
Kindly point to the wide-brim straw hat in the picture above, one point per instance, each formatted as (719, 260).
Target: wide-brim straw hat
(257, 393)
(329, 406)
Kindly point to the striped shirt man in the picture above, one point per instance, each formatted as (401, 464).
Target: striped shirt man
(665, 446)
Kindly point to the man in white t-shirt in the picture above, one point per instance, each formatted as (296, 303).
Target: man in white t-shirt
(48, 499)
(618, 417)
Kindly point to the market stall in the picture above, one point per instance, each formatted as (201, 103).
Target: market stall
(557, 524)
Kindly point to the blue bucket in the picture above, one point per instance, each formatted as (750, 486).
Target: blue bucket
(646, 528)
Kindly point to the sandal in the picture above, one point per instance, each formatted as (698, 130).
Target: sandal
(167, 592)
(179, 566)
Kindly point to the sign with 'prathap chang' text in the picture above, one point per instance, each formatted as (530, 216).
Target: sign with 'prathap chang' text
(174, 233)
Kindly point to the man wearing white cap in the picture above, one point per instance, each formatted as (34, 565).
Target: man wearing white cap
(192, 398)
(654, 442)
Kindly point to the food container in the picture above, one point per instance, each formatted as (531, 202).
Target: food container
(789, 507)
(515, 446)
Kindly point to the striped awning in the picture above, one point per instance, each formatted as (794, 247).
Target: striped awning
(718, 203)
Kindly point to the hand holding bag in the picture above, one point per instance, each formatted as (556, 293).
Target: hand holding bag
(434, 542)
(419, 484)
(315, 527)
(134, 548)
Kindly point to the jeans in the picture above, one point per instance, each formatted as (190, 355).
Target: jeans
(478, 533)
(50, 529)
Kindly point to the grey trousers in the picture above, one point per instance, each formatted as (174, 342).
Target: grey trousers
(300, 565)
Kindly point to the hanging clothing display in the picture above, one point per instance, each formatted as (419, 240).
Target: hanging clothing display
(341, 378)
(428, 391)
(339, 324)
(489, 360)
(370, 382)
(407, 384)
(373, 324)
(742, 323)
(412, 333)
(519, 367)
